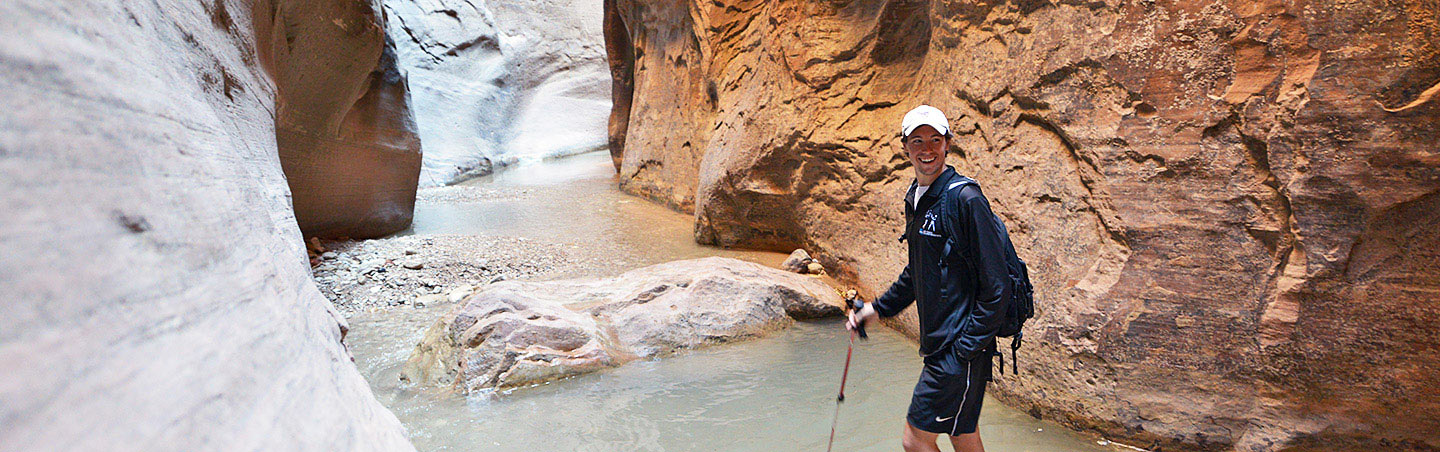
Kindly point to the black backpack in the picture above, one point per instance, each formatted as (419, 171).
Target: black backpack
(1021, 305)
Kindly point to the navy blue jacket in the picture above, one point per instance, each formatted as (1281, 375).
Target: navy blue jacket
(957, 294)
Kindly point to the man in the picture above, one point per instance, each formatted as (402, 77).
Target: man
(957, 278)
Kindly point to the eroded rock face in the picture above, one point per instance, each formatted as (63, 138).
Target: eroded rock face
(517, 333)
(1226, 206)
(496, 82)
(343, 119)
(156, 291)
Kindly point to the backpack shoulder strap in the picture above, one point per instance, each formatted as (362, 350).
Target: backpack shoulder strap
(953, 189)
(961, 183)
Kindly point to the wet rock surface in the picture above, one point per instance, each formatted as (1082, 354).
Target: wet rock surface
(515, 333)
(1226, 206)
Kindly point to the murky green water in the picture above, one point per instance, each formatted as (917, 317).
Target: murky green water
(575, 200)
(771, 394)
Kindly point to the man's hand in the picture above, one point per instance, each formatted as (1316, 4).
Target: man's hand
(862, 317)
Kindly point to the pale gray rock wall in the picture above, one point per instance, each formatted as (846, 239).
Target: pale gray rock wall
(499, 82)
(156, 291)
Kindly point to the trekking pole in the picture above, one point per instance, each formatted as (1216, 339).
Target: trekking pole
(853, 303)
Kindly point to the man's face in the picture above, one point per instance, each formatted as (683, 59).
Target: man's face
(926, 149)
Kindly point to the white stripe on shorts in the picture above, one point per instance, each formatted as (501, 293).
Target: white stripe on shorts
(963, 396)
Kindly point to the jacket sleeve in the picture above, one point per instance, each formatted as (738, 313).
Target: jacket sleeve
(975, 223)
(900, 295)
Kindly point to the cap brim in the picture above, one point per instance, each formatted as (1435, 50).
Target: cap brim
(944, 130)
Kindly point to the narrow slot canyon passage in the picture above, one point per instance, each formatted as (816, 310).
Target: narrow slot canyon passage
(565, 218)
(615, 225)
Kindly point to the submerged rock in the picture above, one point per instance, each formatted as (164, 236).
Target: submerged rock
(517, 333)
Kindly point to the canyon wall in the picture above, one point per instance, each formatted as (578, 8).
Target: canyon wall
(499, 82)
(343, 119)
(1227, 206)
(157, 294)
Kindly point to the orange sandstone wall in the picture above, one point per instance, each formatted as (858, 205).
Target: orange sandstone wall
(343, 121)
(1228, 206)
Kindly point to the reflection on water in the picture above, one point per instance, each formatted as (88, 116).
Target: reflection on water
(576, 200)
(772, 394)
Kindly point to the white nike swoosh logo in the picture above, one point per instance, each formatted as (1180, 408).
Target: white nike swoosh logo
(943, 420)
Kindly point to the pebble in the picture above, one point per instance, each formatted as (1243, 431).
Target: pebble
(388, 273)
(460, 293)
(427, 300)
(372, 265)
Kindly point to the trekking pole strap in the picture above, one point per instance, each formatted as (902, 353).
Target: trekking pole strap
(1014, 353)
(1002, 361)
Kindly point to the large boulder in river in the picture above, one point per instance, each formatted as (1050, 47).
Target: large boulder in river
(515, 333)
(156, 291)
(1228, 206)
(343, 120)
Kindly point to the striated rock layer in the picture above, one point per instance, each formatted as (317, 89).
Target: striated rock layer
(156, 293)
(1227, 206)
(342, 119)
(518, 333)
(498, 82)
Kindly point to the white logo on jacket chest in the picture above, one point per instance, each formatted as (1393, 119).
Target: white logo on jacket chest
(930, 224)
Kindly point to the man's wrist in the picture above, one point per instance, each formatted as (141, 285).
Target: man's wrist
(875, 308)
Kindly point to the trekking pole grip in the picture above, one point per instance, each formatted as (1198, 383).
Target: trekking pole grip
(855, 305)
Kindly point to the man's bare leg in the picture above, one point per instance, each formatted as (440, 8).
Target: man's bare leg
(916, 440)
(967, 442)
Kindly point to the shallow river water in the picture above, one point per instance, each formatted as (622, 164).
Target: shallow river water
(772, 394)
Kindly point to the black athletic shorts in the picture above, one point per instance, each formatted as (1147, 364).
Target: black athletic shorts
(949, 394)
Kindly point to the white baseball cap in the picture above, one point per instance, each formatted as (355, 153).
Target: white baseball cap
(924, 115)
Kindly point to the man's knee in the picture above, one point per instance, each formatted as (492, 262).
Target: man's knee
(916, 440)
(912, 444)
(967, 442)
